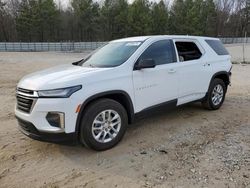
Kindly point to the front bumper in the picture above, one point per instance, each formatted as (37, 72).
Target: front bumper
(28, 129)
(42, 107)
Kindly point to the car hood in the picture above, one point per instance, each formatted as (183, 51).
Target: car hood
(57, 77)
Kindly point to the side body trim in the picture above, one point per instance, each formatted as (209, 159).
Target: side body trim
(156, 109)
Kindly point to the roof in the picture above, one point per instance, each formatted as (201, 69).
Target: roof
(143, 38)
(132, 39)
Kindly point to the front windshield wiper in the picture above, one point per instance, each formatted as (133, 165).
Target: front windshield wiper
(78, 62)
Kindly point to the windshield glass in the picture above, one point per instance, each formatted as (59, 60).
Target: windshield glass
(111, 55)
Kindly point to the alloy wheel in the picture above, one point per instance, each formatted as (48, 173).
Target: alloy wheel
(106, 126)
(217, 94)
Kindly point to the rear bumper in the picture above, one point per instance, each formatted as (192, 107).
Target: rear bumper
(28, 129)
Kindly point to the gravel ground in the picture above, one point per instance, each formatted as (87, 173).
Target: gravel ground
(186, 147)
(236, 51)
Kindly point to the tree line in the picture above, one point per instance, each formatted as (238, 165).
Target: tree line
(88, 20)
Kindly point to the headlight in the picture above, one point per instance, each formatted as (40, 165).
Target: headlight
(59, 93)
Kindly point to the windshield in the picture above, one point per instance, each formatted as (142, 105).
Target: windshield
(111, 55)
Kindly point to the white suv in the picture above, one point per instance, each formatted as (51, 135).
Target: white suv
(93, 100)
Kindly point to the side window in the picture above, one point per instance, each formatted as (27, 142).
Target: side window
(188, 51)
(162, 52)
(218, 47)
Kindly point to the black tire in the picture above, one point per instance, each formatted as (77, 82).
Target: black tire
(91, 112)
(208, 102)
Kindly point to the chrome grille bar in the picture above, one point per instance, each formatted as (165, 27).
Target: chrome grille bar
(26, 99)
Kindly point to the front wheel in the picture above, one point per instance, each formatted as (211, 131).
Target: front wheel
(216, 95)
(103, 124)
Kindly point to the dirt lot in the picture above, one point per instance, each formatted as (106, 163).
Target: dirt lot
(187, 147)
(236, 51)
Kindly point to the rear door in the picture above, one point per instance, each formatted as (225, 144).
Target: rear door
(195, 72)
(160, 84)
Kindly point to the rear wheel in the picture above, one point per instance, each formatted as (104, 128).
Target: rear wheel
(103, 124)
(216, 95)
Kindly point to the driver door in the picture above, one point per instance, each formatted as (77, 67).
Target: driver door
(153, 86)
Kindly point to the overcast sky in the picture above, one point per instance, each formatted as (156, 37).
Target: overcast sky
(64, 3)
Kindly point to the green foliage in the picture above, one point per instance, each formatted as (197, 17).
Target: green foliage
(86, 14)
(114, 18)
(139, 19)
(209, 18)
(88, 20)
(3, 32)
(37, 20)
(193, 17)
(159, 22)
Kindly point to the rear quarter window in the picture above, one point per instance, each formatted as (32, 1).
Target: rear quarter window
(218, 47)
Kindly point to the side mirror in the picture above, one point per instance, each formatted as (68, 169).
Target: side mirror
(145, 64)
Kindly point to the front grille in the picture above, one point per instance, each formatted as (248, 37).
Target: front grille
(25, 99)
(24, 104)
(26, 91)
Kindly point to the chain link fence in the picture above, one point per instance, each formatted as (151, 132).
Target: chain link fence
(235, 40)
(75, 46)
(48, 46)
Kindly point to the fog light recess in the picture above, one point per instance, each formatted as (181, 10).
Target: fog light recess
(56, 119)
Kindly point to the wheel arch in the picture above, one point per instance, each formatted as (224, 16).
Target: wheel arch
(223, 75)
(118, 95)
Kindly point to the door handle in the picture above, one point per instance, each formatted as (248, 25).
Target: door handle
(206, 64)
(172, 71)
